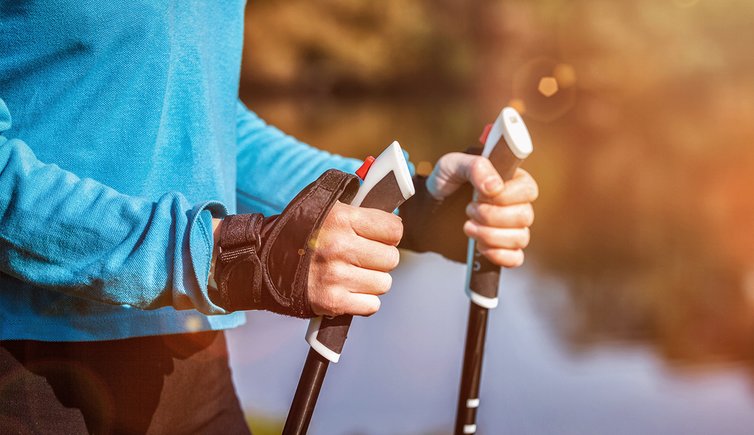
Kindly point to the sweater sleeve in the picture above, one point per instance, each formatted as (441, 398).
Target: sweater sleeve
(273, 167)
(80, 237)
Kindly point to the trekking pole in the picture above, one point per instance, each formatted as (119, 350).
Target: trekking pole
(387, 184)
(482, 277)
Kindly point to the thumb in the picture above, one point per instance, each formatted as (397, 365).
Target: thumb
(455, 169)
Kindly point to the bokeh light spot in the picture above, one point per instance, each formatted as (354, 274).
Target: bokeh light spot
(565, 75)
(534, 83)
(548, 86)
(314, 241)
(424, 168)
(193, 323)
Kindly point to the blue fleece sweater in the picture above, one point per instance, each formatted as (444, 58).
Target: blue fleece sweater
(126, 137)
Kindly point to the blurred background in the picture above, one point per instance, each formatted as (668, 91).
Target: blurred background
(635, 310)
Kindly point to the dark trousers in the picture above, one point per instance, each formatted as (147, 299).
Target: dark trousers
(175, 384)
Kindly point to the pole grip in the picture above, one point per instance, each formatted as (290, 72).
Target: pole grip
(387, 184)
(483, 276)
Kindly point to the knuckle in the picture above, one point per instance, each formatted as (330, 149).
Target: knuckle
(324, 304)
(342, 248)
(386, 283)
(527, 215)
(336, 301)
(397, 229)
(324, 277)
(341, 215)
(523, 238)
(378, 284)
(481, 169)
(483, 234)
(391, 227)
(478, 165)
(517, 258)
(533, 191)
(505, 257)
(373, 305)
(329, 250)
(482, 214)
(337, 271)
(516, 239)
(393, 257)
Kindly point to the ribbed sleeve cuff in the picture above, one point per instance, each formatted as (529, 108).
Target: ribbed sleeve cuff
(200, 245)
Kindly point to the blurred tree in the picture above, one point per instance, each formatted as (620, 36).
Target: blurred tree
(351, 45)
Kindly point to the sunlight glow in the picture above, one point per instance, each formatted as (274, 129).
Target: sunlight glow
(548, 86)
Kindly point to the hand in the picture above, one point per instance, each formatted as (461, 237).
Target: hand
(500, 217)
(353, 253)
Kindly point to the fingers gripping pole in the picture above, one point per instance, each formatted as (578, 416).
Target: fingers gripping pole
(482, 277)
(387, 184)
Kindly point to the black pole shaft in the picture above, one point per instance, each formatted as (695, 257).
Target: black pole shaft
(306, 395)
(484, 276)
(468, 397)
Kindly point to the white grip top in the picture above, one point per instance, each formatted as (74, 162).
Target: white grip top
(509, 125)
(391, 159)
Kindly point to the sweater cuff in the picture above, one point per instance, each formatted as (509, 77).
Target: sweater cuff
(200, 246)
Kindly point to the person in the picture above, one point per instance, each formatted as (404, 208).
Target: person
(143, 208)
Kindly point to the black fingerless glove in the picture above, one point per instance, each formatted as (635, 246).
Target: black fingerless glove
(432, 225)
(264, 262)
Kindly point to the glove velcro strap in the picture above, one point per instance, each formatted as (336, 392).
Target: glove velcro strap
(238, 268)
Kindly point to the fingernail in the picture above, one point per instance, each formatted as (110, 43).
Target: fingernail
(493, 185)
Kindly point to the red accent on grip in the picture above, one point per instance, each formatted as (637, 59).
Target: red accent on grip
(485, 133)
(362, 171)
